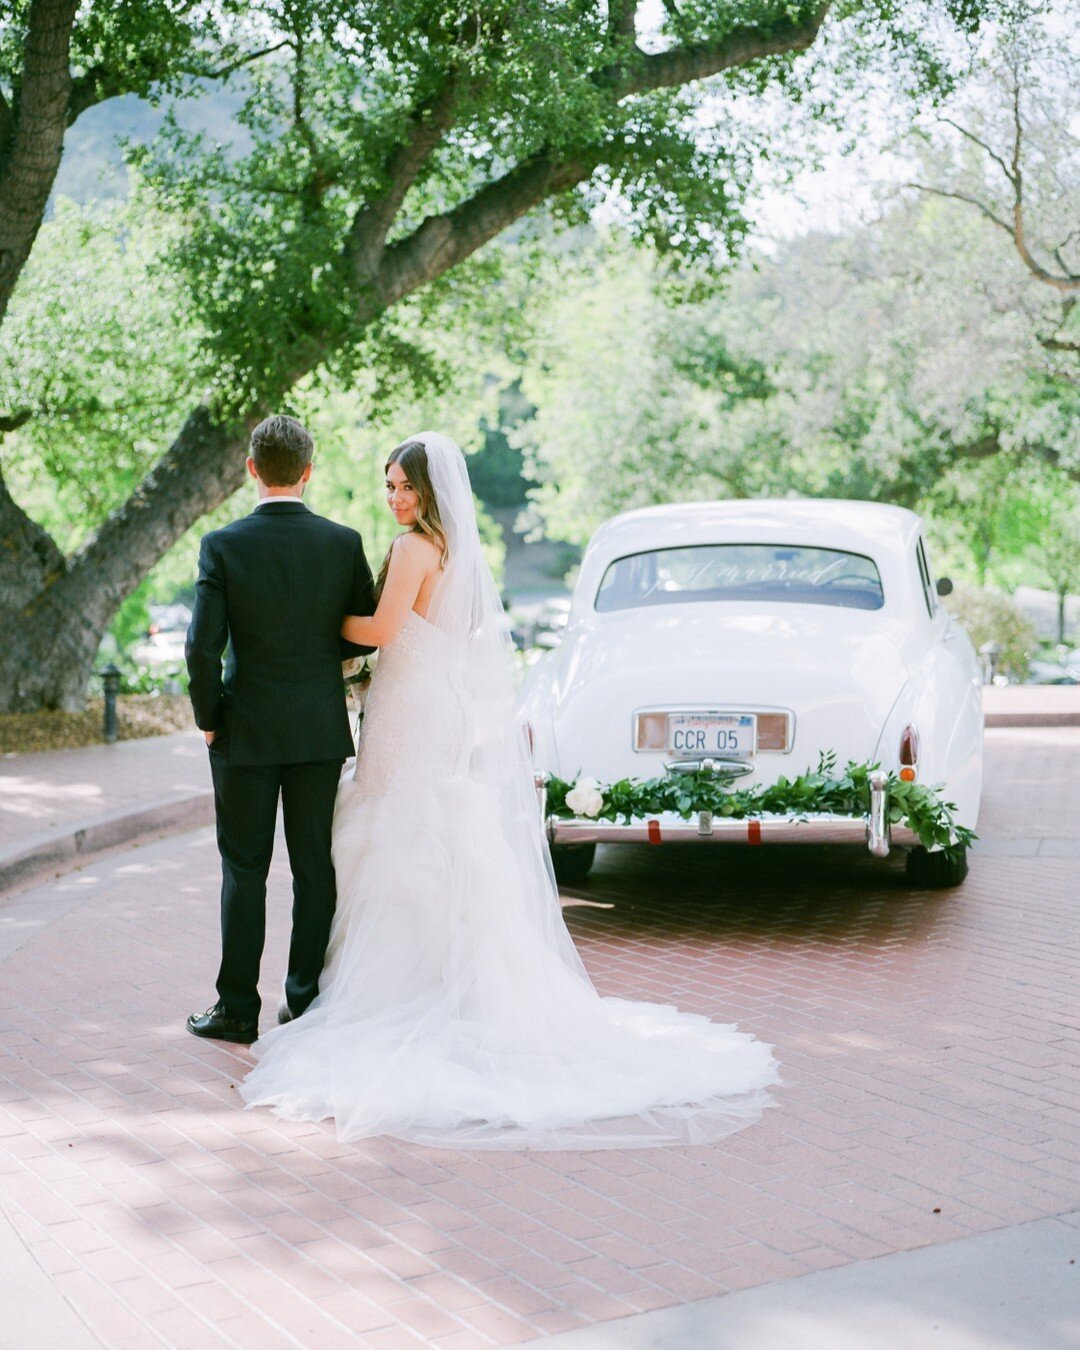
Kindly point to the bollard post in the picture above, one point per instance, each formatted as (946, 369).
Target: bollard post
(991, 654)
(110, 679)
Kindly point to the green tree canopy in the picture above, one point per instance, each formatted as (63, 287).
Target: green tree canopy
(379, 148)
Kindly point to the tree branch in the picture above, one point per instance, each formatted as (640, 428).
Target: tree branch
(203, 466)
(1013, 171)
(100, 83)
(963, 197)
(1059, 344)
(371, 224)
(223, 72)
(13, 421)
(31, 155)
(1067, 282)
(442, 242)
(30, 559)
(621, 16)
(988, 446)
(948, 121)
(695, 61)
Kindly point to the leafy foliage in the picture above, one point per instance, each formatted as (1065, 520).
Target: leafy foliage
(91, 424)
(898, 362)
(270, 248)
(820, 791)
(343, 213)
(144, 47)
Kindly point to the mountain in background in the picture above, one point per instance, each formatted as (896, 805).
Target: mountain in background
(93, 167)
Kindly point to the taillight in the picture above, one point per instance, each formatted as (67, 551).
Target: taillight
(909, 754)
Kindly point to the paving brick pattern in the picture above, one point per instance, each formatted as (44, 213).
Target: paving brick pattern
(928, 1043)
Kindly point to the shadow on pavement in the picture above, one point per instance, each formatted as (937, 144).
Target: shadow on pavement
(824, 895)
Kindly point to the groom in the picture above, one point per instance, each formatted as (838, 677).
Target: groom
(273, 588)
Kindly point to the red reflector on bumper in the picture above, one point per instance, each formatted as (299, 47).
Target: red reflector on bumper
(654, 832)
(753, 831)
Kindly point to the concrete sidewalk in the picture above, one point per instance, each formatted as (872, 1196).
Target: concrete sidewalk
(1012, 1289)
(57, 807)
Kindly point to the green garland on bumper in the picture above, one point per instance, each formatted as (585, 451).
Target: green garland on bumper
(821, 791)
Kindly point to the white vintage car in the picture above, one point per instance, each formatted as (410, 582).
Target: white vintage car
(742, 639)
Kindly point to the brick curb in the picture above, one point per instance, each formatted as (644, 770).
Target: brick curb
(60, 850)
(1031, 719)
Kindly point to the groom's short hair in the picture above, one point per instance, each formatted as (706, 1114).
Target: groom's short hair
(281, 448)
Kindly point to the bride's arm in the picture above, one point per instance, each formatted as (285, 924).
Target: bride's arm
(411, 559)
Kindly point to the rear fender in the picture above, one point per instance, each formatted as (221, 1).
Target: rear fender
(942, 702)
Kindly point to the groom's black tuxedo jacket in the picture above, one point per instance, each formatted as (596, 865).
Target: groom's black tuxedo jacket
(273, 589)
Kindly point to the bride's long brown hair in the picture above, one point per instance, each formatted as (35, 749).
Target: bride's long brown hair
(412, 457)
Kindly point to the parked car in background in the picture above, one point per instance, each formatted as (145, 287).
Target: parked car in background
(163, 645)
(549, 623)
(1064, 670)
(743, 639)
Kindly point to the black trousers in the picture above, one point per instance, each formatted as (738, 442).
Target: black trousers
(245, 801)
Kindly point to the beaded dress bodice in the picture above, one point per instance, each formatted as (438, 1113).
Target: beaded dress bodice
(415, 718)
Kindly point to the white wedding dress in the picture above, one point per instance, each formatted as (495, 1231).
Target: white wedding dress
(453, 1009)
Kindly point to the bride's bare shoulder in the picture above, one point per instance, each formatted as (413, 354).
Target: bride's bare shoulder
(418, 546)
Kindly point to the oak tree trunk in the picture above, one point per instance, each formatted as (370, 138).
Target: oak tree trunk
(55, 611)
(32, 136)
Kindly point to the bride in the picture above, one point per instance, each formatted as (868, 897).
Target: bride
(453, 1008)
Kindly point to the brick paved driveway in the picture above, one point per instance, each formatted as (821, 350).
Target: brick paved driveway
(928, 1044)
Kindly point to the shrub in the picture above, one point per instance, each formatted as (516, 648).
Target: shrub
(990, 616)
(144, 680)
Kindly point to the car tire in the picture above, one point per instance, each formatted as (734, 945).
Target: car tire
(572, 862)
(935, 871)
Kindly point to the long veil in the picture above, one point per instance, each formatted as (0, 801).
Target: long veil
(467, 608)
(611, 1073)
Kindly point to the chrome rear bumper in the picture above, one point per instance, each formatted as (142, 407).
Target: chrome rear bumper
(872, 830)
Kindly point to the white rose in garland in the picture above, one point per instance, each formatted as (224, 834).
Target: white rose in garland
(585, 798)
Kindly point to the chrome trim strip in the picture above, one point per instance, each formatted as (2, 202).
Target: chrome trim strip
(727, 769)
(771, 830)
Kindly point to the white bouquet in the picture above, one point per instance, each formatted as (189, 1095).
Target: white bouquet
(357, 673)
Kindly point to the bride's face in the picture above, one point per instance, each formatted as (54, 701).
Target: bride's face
(401, 496)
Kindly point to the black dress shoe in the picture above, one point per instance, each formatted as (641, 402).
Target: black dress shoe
(216, 1025)
(285, 1014)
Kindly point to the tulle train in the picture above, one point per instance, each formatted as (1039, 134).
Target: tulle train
(445, 1017)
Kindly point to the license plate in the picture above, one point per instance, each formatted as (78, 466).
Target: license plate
(705, 734)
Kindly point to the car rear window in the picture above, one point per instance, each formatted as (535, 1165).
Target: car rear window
(755, 572)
